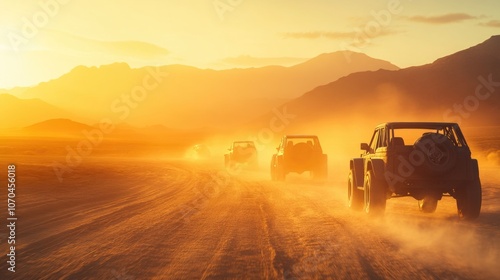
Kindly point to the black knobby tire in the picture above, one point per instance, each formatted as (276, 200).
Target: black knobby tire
(469, 200)
(428, 204)
(354, 196)
(301, 153)
(374, 195)
(439, 152)
(280, 174)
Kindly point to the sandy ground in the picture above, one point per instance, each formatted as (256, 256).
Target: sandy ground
(125, 218)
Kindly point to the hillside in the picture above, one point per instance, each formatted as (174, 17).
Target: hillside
(181, 96)
(453, 88)
(18, 112)
(57, 127)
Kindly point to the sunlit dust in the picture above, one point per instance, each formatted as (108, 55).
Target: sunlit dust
(233, 140)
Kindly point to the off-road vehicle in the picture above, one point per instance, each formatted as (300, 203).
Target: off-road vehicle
(201, 151)
(420, 159)
(299, 153)
(241, 153)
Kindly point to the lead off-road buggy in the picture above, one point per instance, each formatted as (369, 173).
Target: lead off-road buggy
(419, 159)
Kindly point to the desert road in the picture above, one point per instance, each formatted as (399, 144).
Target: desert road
(176, 219)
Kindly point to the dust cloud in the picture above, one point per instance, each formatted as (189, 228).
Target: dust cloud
(436, 241)
(172, 170)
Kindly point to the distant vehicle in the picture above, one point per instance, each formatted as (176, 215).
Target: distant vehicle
(241, 153)
(437, 162)
(299, 153)
(201, 151)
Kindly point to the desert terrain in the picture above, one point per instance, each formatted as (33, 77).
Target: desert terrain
(167, 215)
(118, 122)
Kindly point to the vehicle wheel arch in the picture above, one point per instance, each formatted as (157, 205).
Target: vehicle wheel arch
(357, 165)
(376, 166)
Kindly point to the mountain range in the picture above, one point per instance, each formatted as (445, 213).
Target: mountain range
(180, 96)
(23, 112)
(327, 90)
(463, 87)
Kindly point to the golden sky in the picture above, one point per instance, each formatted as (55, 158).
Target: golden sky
(43, 39)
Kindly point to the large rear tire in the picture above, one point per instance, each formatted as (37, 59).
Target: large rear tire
(375, 195)
(440, 153)
(301, 152)
(469, 200)
(428, 204)
(469, 197)
(354, 196)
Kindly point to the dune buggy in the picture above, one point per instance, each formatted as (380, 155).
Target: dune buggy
(425, 160)
(241, 153)
(299, 153)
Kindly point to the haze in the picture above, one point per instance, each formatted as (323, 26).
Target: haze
(119, 117)
(215, 34)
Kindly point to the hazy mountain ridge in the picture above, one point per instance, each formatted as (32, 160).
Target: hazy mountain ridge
(444, 90)
(22, 112)
(184, 96)
(57, 127)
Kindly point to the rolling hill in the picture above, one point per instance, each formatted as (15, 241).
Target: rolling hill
(181, 96)
(18, 112)
(57, 127)
(463, 87)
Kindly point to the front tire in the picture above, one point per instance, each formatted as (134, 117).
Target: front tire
(279, 169)
(273, 168)
(280, 173)
(375, 195)
(354, 196)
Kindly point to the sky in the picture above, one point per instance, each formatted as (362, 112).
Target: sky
(43, 39)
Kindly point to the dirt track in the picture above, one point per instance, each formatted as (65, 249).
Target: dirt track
(133, 219)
